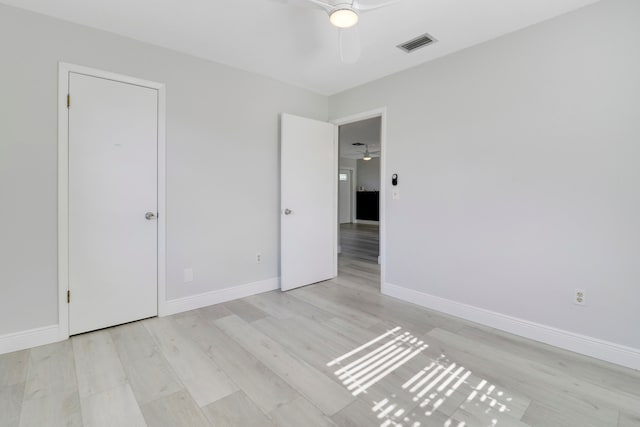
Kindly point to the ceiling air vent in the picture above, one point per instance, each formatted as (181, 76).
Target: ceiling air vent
(417, 43)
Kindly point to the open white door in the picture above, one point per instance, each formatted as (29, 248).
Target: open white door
(309, 219)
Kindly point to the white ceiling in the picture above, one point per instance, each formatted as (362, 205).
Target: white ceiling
(292, 41)
(366, 132)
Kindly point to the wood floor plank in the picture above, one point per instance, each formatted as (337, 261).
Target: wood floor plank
(151, 378)
(335, 306)
(133, 342)
(254, 378)
(356, 333)
(98, 367)
(353, 265)
(245, 310)
(282, 305)
(61, 409)
(539, 414)
(361, 241)
(452, 403)
(13, 367)
(176, 410)
(627, 420)
(359, 280)
(236, 410)
(205, 381)
(316, 386)
(51, 390)
(113, 407)
(148, 372)
(386, 405)
(310, 341)
(213, 312)
(51, 370)
(473, 415)
(298, 413)
(11, 404)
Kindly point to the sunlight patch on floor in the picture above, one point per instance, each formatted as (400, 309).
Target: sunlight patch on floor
(475, 400)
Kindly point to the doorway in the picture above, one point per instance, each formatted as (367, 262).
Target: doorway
(111, 199)
(361, 141)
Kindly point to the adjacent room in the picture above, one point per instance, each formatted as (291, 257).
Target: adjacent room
(320, 213)
(359, 189)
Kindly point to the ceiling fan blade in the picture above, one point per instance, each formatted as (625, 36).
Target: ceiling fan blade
(322, 4)
(366, 7)
(349, 45)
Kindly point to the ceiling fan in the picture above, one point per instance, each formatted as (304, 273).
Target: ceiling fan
(367, 155)
(344, 14)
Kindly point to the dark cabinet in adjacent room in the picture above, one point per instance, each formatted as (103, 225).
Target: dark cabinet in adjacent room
(368, 205)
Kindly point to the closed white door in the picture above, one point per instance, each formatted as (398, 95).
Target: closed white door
(309, 213)
(344, 196)
(113, 184)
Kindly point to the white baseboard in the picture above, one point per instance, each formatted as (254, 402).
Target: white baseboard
(221, 295)
(29, 338)
(366, 222)
(589, 346)
(49, 334)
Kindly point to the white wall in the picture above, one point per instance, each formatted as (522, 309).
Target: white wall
(348, 163)
(369, 174)
(519, 167)
(222, 161)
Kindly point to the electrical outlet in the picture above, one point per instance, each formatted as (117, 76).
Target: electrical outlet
(188, 275)
(580, 297)
(258, 257)
(395, 193)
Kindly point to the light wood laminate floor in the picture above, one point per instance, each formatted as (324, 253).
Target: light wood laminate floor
(336, 353)
(361, 241)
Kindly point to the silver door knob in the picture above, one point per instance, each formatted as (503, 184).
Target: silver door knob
(288, 211)
(149, 216)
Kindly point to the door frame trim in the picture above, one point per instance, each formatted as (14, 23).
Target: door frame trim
(63, 184)
(382, 113)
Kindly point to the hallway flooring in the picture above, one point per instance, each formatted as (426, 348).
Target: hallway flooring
(361, 241)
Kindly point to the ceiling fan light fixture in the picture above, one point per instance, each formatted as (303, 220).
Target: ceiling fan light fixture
(343, 17)
(366, 157)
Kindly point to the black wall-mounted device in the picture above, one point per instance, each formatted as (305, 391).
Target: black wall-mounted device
(394, 179)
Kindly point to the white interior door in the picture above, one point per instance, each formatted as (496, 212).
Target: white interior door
(309, 220)
(113, 178)
(344, 196)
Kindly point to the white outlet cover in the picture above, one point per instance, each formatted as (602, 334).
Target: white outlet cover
(188, 275)
(580, 297)
(395, 194)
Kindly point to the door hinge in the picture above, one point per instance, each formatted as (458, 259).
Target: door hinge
(68, 297)
(68, 101)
